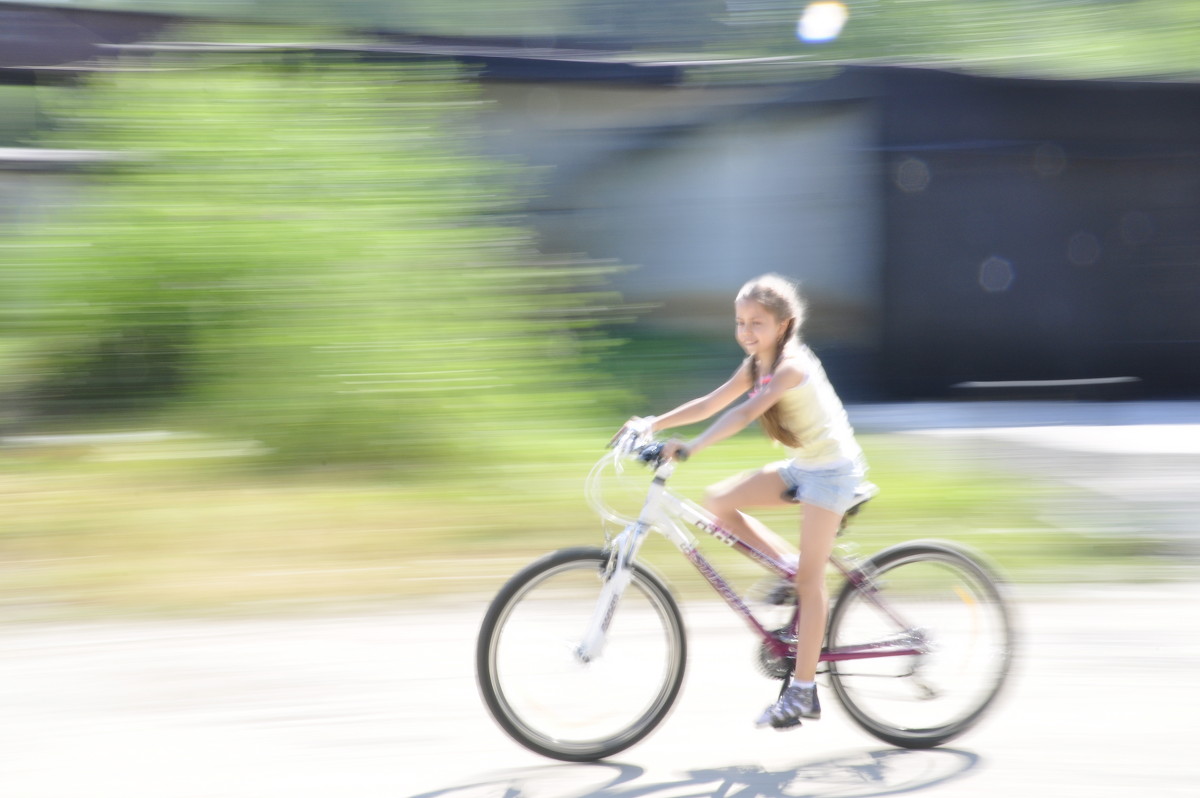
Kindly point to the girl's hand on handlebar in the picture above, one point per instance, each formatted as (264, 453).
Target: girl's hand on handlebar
(675, 449)
(642, 427)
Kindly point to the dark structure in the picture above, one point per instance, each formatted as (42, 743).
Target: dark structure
(37, 38)
(1040, 230)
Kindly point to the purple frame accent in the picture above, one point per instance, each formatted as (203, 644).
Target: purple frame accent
(778, 647)
(868, 651)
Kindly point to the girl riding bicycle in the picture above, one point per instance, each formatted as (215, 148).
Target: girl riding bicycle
(789, 394)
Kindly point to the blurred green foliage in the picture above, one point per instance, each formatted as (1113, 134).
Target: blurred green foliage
(304, 251)
(121, 525)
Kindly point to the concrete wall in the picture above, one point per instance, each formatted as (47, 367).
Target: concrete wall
(701, 190)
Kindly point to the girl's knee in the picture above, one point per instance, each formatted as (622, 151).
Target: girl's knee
(808, 582)
(723, 493)
(716, 500)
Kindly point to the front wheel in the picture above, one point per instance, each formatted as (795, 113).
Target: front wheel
(946, 610)
(540, 690)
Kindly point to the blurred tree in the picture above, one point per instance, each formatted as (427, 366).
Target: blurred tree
(308, 253)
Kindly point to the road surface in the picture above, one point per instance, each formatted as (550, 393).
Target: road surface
(1103, 702)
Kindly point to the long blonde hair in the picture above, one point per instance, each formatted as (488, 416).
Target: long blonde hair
(780, 297)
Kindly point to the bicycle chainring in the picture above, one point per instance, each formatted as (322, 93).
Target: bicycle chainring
(771, 665)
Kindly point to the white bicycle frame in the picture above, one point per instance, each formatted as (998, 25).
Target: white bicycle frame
(667, 513)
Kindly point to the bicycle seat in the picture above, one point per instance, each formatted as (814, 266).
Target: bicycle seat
(862, 494)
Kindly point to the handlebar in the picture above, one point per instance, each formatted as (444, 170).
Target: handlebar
(635, 439)
(652, 452)
(632, 442)
(631, 436)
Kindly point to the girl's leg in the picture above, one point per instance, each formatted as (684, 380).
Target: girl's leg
(763, 488)
(818, 533)
(800, 700)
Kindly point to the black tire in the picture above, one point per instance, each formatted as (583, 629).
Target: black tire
(541, 694)
(956, 606)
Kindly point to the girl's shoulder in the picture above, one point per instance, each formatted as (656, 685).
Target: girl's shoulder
(790, 372)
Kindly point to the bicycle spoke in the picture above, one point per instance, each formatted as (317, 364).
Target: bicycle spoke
(955, 661)
(549, 698)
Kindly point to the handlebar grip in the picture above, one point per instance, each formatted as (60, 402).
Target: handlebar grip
(652, 453)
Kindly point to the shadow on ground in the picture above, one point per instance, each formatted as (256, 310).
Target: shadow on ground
(851, 775)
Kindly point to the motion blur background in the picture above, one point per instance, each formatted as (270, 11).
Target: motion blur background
(308, 304)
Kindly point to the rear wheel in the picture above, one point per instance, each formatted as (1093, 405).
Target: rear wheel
(537, 687)
(933, 599)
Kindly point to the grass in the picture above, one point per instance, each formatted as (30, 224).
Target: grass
(165, 527)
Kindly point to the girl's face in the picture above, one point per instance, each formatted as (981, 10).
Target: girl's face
(756, 329)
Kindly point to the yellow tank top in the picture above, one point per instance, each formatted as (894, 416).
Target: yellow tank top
(813, 413)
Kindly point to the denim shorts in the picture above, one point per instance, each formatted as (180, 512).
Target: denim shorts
(830, 487)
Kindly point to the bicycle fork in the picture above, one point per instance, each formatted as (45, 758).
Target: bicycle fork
(617, 575)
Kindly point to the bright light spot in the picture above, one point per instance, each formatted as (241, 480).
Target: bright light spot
(1084, 249)
(822, 22)
(1049, 160)
(912, 175)
(996, 275)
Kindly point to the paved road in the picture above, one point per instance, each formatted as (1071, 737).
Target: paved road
(1104, 703)
(1130, 469)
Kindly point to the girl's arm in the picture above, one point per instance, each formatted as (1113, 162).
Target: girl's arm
(786, 377)
(706, 406)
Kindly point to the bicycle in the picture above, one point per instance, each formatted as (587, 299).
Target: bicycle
(582, 653)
